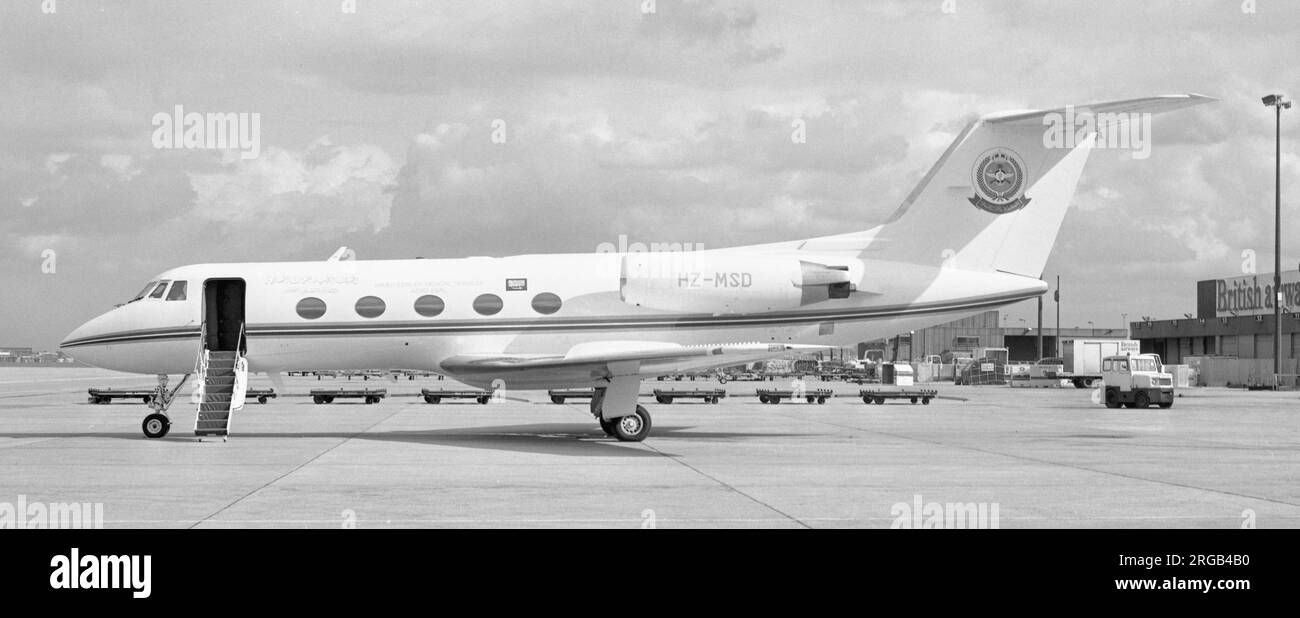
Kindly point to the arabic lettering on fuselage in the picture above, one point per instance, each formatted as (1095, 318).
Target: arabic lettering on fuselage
(316, 280)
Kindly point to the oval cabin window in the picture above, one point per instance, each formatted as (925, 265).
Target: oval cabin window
(370, 306)
(429, 305)
(546, 303)
(488, 304)
(311, 308)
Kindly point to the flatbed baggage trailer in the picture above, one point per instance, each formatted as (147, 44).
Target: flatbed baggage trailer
(709, 395)
(436, 396)
(261, 394)
(558, 395)
(812, 395)
(879, 395)
(107, 395)
(328, 395)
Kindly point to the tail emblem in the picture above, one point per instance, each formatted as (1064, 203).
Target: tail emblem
(999, 182)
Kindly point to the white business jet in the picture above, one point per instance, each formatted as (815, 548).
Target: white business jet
(975, 234)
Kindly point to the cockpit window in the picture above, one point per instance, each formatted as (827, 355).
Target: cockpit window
(147, 287)
(178, 290)
(158, 291)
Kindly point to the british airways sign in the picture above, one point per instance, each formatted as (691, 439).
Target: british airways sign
(1254, 294)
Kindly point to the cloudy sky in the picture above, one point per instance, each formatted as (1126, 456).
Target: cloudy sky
(662, 120)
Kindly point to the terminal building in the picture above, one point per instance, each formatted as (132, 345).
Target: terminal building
(1234, 319)
(986, 330)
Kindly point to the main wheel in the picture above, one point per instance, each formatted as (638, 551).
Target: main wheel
(329, 399)
(925, 401)
(484, 400)
(762, 398)
(914, 401)
(880, 401)
(1112, 398)
(661, 399)
(146, 399)
(156, 426)
(716, 399)
(317, 399)
(431, 399)
(557, 399)
(607, 427)
(1141, 400)
(262, 400)
(821, 401)
(811, 399)
(634, 427)
(866, 400)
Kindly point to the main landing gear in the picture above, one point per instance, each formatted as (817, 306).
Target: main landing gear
(628, 428)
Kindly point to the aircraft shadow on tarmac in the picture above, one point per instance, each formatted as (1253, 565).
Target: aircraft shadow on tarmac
(577, 440)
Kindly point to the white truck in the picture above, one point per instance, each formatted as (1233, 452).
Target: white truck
(1136, 381)
(1081, 359)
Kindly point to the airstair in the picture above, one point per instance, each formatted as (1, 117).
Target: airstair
(222, 393)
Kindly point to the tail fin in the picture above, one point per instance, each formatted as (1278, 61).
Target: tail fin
(996, 198)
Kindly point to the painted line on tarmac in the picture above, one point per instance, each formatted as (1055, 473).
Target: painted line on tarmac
(295, 468)
(1053, 463)
(729, 486)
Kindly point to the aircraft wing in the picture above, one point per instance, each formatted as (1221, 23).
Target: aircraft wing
(587, 364)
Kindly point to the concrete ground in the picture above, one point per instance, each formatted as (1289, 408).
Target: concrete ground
(1043, 458)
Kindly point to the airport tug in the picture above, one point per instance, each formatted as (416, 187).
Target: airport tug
(1136, 381)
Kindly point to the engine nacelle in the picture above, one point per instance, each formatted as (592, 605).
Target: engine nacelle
(690, 282)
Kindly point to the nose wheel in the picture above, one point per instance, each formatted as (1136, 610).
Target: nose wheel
(156, 426)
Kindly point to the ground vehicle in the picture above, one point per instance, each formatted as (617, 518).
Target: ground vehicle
(1047, 368)
(899, 374)
(1082, 358)
(1136, 381)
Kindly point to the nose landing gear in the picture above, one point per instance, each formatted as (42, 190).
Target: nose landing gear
(157, 423)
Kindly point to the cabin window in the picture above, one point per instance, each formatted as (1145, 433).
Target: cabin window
(311, 308)
(179, 289)
(158, 291)
(546, 303)
(429, 305)
(370, 306)
(1108, 365)
(488, 304)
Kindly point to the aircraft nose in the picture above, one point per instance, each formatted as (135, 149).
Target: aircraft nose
(86, 332)
(83, 343)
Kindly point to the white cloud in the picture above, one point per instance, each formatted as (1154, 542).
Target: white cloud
(325, 187)
(122, 164)
(55, 160)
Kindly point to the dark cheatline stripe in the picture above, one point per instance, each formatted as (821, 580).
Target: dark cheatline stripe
(553, 324)
(160, 334)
